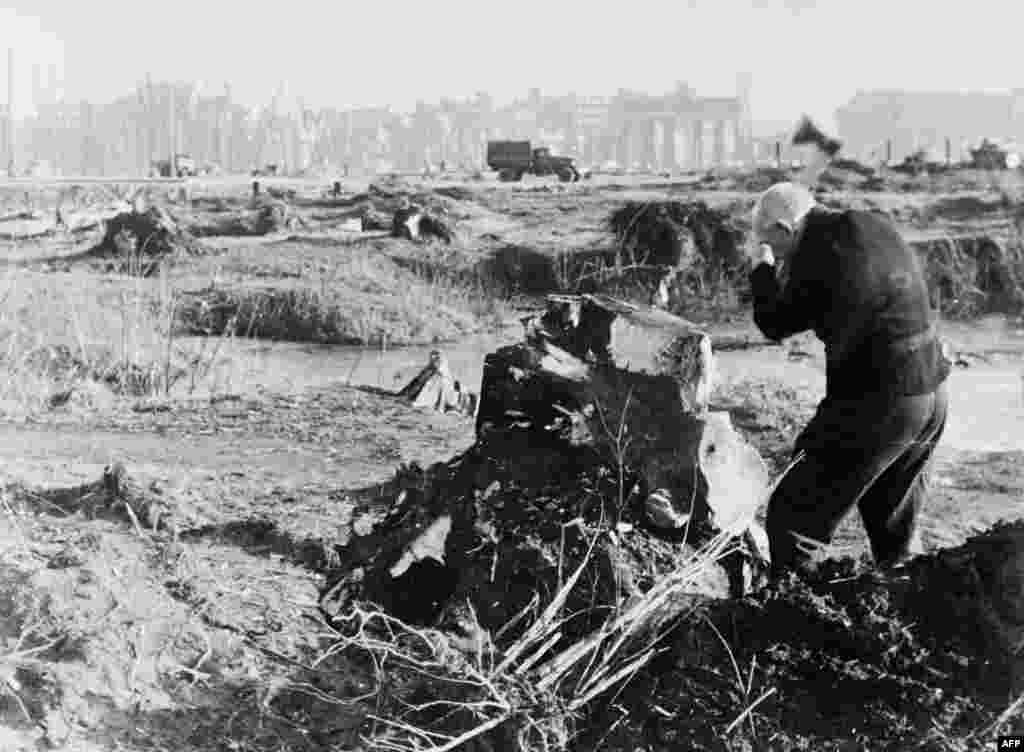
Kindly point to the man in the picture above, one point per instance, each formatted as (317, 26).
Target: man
(851, 279)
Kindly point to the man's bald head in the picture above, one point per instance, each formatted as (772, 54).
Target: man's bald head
(778, 215)
(785, 203)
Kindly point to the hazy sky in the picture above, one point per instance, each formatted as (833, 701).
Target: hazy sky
(803, 56)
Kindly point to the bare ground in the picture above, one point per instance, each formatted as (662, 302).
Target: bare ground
(115, 637)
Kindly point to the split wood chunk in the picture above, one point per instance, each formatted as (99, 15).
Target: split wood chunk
(434, 388)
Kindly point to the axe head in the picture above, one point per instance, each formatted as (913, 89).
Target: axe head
(807, 133)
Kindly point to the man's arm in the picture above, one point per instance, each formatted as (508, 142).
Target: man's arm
(781, 312)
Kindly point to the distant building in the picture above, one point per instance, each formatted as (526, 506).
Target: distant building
(924, 120)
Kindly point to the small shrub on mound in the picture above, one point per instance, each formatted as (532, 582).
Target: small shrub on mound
(455, 192)
(655, 232)
(263, 216)
(693, 244)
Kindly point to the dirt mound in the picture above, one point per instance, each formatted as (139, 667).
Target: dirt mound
(264, 216)
(456, 193)
(920, 661)
(852, 165)
(757, 180)
(391, 186)
(390, 205)
(140, 240)
(515, 269)
(966, 208)
(272, 313)
(973, 275)
(217, 204)
(839, 179)
(70, 367)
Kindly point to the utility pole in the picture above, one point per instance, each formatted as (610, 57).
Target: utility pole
(140, 129)
(10, 113)
(152, 133)
(226, 126)
(171, 125)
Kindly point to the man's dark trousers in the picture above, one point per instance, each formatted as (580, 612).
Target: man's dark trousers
(870, 452)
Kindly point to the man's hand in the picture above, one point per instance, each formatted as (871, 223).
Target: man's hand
(762, 254)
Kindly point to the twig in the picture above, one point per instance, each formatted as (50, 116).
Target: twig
(749, 710)
(472, 734)
(135, 520)
(1013, 708)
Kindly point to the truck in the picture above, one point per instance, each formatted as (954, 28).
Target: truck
(184, 166)
(513, 159)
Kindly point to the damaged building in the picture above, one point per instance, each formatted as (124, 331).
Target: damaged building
(921, 120)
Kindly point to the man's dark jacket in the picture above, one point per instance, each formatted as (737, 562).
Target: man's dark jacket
(853, 280)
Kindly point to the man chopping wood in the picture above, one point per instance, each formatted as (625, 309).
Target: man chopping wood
(849, 277)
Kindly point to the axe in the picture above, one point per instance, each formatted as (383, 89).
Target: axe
(817, 148)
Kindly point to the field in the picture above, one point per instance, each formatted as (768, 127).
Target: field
(240, 377)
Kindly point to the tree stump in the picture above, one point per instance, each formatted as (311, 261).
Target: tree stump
(694, 463)
(150, 235)
(566, 444)
(414, 223)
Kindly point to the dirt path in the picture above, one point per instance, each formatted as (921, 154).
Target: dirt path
(241, 459)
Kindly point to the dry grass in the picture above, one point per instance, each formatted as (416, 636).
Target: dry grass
(77, 335)
(527, 696)
(354, 295)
